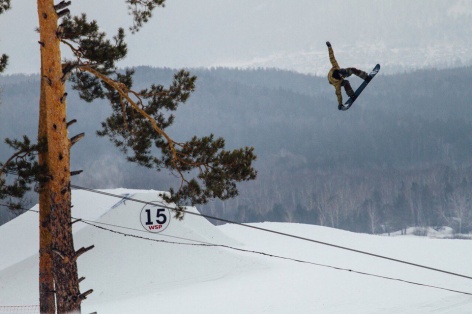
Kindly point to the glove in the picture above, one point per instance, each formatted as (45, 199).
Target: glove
(328, 44)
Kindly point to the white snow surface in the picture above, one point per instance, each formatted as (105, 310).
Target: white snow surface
(135, 275)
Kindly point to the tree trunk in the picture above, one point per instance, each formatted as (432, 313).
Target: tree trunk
(56, 242)
(46, 280)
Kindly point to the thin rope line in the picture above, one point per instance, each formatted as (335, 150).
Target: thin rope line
(278, 257)
(206, 244)
(110, 225)
(283, 234)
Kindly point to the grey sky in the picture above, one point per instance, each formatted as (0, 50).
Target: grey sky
(399, 34)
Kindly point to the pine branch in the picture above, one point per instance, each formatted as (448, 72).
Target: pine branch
(218, 169)
(3, 62)
(14, 156)
(141, 10)
(4, 5)
(21, 164)
(121, 89)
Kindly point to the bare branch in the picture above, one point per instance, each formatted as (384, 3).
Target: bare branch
(77, 220)
(71, 122)
(64, 97)
(76, 138)
(74, 173)
(80, 252)
(63, 12)
(61, 5)
(84, 295)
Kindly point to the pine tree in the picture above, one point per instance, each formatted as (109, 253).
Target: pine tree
(19, 170)
(4, 6)
(136, 126)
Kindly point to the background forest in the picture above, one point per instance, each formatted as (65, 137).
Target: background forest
(400, 157)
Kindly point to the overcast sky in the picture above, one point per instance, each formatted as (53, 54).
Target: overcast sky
(275, 33)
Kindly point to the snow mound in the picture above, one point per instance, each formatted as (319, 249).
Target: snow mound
(132, 270)
(127, 260)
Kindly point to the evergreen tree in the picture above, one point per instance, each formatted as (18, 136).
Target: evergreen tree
(401, 207)
(19, 170)
(136, 126)
(4, 5)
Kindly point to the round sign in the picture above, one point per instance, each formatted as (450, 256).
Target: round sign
(155, 218)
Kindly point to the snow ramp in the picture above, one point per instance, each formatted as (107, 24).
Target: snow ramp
(127, 260)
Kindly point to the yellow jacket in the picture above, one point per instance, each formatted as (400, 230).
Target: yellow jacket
(335, 82)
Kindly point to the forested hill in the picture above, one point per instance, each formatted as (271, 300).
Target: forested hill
(401, 156)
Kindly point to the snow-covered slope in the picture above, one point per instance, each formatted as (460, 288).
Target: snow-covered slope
(141, 275)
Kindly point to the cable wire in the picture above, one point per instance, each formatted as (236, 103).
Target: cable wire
(206, 244)
(281, 234)
(99, 225)
(106, 224)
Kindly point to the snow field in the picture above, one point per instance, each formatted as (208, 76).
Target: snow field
(136, 275)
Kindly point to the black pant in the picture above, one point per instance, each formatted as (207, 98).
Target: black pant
(347, 88)
(342, 73)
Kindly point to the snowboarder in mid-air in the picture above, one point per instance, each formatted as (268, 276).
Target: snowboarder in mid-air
(337, 75)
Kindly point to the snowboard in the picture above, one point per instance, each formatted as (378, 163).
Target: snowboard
(359, 90)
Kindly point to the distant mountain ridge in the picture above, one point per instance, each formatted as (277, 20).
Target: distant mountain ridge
(393, 60)
(400, 157)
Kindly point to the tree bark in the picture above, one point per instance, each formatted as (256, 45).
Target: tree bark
(46, 280)
(55, 194)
